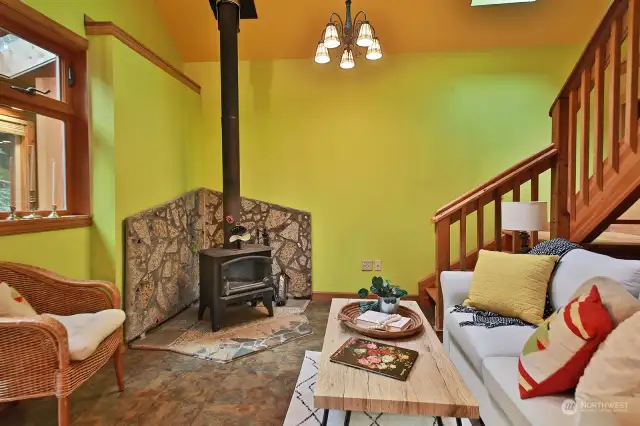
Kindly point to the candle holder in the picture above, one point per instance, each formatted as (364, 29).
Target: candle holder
(12, 214)
(33, 213)
(54, 212)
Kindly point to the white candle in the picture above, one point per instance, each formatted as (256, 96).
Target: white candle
(53, 182)
(32, 168)
(12, 183)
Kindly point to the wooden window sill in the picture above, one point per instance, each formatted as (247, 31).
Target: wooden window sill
(43, 225)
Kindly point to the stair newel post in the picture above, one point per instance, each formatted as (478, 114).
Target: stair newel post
(560, 219)
(443, 262)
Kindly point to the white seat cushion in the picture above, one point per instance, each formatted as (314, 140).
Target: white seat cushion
(500, 375)
(479, 343)
(87, 331)
(578, 266)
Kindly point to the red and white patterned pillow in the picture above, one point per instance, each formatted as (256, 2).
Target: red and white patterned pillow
(13, 304)
(555, 356)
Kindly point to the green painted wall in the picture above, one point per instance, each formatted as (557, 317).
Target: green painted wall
(143, 122)
(156, 122)
(140, 18)
(65, 252)
(373, 152)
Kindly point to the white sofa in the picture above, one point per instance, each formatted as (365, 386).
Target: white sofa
(488, 358)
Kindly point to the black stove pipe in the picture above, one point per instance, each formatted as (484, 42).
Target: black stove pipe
(228, 25)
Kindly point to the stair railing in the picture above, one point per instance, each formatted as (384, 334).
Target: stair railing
(477, 200)
(598, 107)
(590, 182)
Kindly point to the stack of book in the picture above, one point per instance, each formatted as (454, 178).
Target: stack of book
(372, 319)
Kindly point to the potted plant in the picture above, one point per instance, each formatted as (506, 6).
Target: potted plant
(388, 294)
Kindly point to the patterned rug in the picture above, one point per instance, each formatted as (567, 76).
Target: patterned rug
(302, 412)
(247, 331)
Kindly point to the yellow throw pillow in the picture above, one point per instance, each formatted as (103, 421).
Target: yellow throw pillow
(512, 285)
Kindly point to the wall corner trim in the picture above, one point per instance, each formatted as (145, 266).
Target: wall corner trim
(101, 28)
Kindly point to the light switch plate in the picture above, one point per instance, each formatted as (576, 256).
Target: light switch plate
(378, 265)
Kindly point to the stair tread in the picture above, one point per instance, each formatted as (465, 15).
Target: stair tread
(606, 238)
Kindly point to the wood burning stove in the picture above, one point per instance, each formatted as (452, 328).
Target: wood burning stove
(230, 276)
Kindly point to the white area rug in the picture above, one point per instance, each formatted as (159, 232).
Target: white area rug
(302, 412)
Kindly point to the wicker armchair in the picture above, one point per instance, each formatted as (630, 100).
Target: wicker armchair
(35, 351)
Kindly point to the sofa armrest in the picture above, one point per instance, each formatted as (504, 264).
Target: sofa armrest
(455, 287)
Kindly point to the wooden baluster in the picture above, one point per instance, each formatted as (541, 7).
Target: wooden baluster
(535, 193)
(631, 119)
(516, 240)
(480, 225)
(598, 113)
(560, 219)
(463, 239)
(497, 201)
(615, 44)
(585, 106)
(573, 134)
(443, 262)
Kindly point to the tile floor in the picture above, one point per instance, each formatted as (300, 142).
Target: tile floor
(164, 388)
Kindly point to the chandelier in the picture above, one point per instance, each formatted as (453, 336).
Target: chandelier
(351, 34)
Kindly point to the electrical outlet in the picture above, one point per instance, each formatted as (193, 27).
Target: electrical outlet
(367, 265)
(378, 265)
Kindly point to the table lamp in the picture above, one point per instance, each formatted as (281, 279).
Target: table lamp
(524, 217)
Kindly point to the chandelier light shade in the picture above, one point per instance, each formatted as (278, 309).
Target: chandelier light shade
(322, 54)
(353, 34)
(374, 52)
(365, 36)
(347, 62)
(331, 38)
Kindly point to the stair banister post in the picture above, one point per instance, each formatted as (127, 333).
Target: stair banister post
(560, 219)
(443, 262)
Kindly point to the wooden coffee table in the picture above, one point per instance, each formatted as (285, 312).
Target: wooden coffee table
(434, 387)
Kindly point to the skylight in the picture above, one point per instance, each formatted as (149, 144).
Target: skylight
(18, 56)
(493, 2)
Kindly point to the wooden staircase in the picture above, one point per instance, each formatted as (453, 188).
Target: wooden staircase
(594, 163)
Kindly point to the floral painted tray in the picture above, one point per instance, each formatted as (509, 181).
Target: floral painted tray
(387, 360)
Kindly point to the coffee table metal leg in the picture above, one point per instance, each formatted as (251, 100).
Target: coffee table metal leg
(325, 417)
(347, 418)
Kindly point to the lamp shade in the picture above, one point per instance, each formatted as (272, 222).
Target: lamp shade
(331, 38)
(524, 216)
(365, 36)
(322, 54)
(347, 61)
(374, 52)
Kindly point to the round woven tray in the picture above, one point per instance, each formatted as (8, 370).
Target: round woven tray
(350, 312)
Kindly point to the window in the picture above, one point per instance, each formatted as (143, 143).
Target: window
(43, 120)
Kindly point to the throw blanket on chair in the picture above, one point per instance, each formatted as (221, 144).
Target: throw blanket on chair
(556, 247)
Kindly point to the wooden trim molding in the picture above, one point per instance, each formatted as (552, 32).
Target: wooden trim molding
(328, 296)
(43, 225)
(96, 28)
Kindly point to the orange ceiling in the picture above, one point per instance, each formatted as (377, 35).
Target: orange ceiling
(291, 28)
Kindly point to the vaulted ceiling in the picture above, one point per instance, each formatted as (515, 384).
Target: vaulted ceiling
(291, 28)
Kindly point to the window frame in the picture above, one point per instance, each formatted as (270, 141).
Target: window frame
(71, 108)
